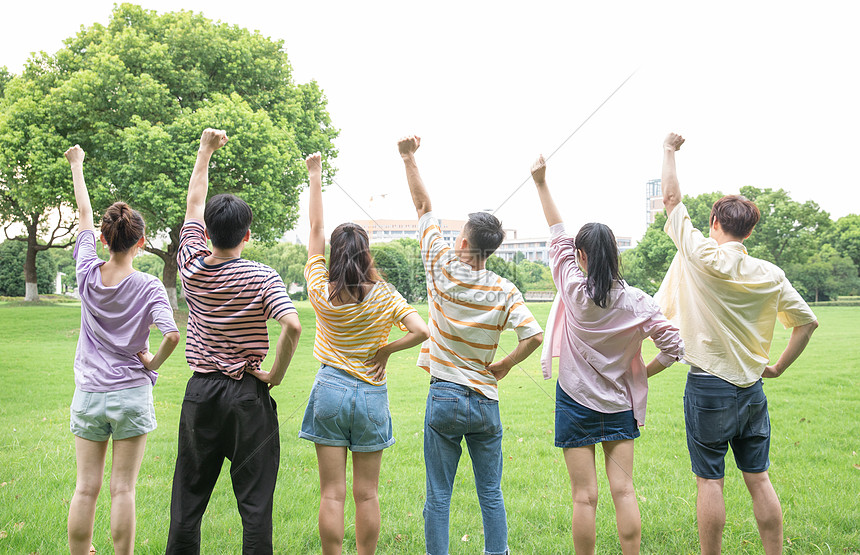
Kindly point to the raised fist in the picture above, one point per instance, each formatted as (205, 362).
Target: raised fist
(408, 145)
(539, 170)
(75, 155)
(673, 141)
(314, 163)
(213, 139)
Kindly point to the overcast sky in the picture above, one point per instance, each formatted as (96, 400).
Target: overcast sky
(766, 94)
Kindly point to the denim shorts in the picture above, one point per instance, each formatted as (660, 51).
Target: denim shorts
(718, 414)
(344, 411)
(578, 426)
(124, 413)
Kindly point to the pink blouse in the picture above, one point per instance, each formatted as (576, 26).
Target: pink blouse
(600, 349)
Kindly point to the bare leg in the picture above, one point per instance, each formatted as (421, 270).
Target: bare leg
(127, 455)
(711, 514)
(618, 459)
(583, 482)
(90, 456)
(332, 466)
(767, 510)
(365, 491)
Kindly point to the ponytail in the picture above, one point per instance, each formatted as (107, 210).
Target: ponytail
(598, 243)
(122, 227)
(350, 265)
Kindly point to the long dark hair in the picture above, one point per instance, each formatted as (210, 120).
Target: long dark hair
(122, 227)
(350, 264)
(598, 243)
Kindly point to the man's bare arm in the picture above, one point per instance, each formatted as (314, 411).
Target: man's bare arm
(407, 147)
(198, 187)
(524, 348)
(285, 348)
(800, 336)
(671, 187)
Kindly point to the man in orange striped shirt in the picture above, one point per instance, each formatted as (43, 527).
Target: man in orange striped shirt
(469, 308)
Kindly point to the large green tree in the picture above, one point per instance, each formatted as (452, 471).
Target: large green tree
(825, 275)
(136, 94)
(844, 235)
(35, 189)
(788, 231)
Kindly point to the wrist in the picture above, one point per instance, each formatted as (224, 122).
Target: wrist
(408, 156)
(77, 165)
(540, 182)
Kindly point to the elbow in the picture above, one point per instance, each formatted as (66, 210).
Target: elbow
(423, 333)
(172, 338)
(537, 340)
(811, 327)
(293, 327)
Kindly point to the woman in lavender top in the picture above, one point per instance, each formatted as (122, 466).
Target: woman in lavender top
(596, 328)
(114, 370)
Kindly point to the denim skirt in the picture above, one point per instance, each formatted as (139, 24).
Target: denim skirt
(578, 426)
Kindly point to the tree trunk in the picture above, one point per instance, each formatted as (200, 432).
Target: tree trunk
(31, 287)
(169, 279)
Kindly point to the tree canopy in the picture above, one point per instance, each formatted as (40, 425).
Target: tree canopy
(136, 94)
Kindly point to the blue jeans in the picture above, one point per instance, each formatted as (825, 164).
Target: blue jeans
(454, 411)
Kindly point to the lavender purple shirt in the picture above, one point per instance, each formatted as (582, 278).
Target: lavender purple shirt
(115, 323)
(600, 349)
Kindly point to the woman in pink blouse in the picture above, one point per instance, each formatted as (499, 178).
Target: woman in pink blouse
(596, 328)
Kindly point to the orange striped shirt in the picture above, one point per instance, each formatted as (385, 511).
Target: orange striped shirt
(468, 311)
(348, 335)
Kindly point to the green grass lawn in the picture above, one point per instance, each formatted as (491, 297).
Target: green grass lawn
(814, 454)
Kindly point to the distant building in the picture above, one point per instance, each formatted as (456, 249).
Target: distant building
(653, 200)
(382, 231)
(537, 249)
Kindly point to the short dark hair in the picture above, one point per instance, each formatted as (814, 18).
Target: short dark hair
(122, 227)
(484, 233)
(227, 219)
(736, 214)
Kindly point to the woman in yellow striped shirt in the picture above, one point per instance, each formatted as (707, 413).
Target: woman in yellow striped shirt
(348, 406)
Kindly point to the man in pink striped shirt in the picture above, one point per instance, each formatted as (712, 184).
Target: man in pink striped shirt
(227, 410)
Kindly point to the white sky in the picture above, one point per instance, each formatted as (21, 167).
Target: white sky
(764, 92)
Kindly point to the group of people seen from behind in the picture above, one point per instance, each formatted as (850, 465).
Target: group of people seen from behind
(715, 310)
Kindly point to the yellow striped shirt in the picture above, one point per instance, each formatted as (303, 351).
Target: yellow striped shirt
(348, 335)
(468, 311)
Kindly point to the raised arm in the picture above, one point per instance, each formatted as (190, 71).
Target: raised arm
(670, 185)
(75, 156)
(407, 147)
(210, 141)
(316, 241)
(800, 336)
(550, 210)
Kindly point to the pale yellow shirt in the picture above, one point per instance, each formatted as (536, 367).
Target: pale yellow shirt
(725, 303)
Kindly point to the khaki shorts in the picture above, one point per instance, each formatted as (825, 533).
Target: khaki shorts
(123, 413)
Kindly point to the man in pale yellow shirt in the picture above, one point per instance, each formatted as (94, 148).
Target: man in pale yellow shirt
(726, 304)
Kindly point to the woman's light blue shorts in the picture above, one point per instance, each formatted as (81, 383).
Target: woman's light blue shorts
(344, 411)
(124, 413)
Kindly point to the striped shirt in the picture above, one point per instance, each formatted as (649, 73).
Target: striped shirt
(228, 305)
(468, 311)
(348, 335)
